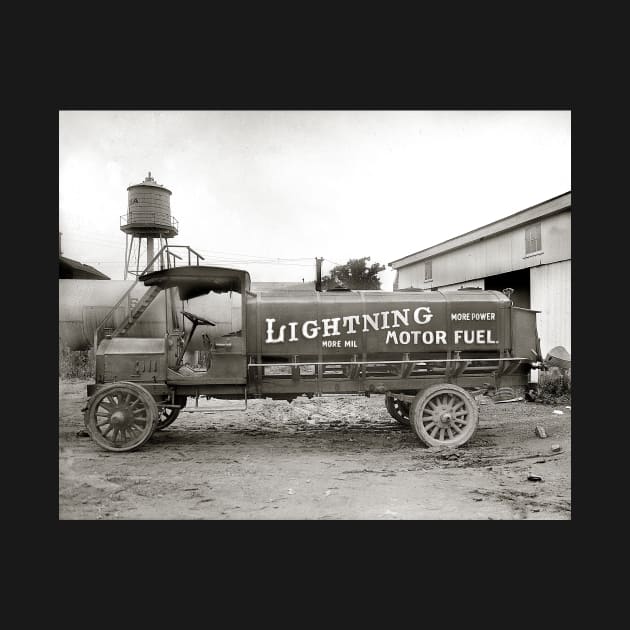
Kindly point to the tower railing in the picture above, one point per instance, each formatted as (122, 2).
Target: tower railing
(170, 258)
(145, 217)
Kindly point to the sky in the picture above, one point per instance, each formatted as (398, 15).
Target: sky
(268, 191)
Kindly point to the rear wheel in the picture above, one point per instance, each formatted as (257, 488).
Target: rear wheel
(169, 415)
(398, 409)
(444, 415)
(121, 416)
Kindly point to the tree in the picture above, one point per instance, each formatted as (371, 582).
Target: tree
(355, 274)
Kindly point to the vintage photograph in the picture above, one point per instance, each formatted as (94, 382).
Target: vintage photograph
(315, 314)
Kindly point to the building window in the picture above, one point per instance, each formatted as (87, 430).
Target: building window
(428, 270)
(533, 242)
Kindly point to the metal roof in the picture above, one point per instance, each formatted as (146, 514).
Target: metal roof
(193, 281)
(67, 267)
(546, 208)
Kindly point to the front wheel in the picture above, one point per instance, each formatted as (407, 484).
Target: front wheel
(444, 415)
(121, 416)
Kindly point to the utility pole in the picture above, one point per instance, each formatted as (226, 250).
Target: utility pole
(318, 273)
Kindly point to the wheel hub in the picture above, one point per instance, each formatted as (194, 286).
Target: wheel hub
(118, 417)
(444, 420)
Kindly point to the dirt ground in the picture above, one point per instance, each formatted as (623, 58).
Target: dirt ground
(332, 457)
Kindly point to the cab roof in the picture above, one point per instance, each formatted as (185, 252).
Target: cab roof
(197, 280)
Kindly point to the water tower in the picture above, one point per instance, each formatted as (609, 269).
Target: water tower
(148, 218)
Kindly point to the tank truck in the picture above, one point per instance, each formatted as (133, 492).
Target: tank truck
(424, 351)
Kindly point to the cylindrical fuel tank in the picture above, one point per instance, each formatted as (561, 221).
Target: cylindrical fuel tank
(377, 324)
(83, 304)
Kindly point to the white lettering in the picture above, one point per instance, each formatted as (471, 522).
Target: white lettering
(440, 336)
(292, 327)
(331, 330)
(270, 338)
(401, 316)
(404, 336)
(331, 344)
(384, 324)
(373, 321)
(425, 318)
(472, 316)
(391, 334)
(349, 322)
(312, 333)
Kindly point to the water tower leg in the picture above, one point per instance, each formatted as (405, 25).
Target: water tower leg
(150, 253)
(126, 251)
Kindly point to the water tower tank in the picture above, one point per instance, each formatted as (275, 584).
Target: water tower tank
(149, 211)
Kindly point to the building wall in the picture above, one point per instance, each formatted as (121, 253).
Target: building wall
(479, 282)
(550, 287)
(494, 255)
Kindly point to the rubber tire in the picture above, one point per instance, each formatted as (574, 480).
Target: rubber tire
(390, 404)
(504, 393)
(150, 407)
(423, 397)
(162, 424)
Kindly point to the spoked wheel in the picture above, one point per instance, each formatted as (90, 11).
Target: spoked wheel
(444, 415)
(121, 416)
(398, 409)
(169, 415)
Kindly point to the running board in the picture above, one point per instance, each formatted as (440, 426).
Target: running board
(207, 409)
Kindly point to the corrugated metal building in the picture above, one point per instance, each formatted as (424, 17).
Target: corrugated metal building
(529, 251)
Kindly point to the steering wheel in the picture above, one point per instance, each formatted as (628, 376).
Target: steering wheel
(197, 321)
